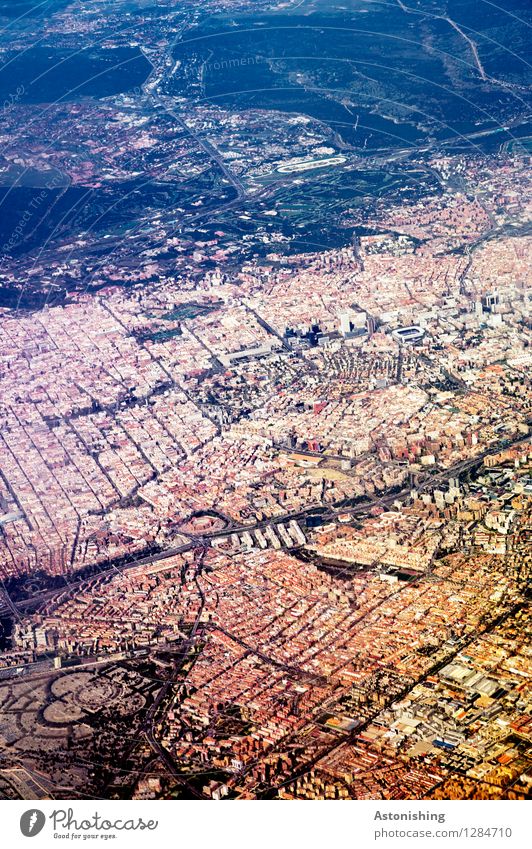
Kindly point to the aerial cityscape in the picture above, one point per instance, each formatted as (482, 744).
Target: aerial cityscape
(265, 400)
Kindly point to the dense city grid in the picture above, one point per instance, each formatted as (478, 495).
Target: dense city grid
(265, 467)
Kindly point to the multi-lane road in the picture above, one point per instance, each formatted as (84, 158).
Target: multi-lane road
(429, 481)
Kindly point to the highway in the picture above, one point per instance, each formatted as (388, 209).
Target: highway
(427, 482)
